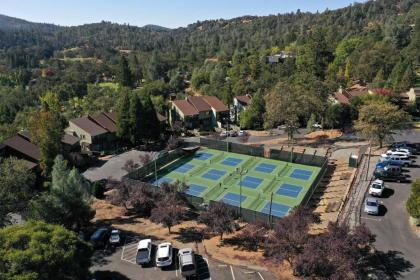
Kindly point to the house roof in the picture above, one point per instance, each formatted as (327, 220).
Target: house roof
(30, 165)
(105, 122)
(243, 99)
(341, 98)
(89, 126)
(23, 146)
(69, 139)
(216, 104)
(185, 107)
(199, 103)
(112, 116)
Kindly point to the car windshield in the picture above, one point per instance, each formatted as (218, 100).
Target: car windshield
(371, 203)
(188, 267)
(163, 259)
(142, 253)
(376, 186)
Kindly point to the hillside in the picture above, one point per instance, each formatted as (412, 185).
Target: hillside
(7, 23)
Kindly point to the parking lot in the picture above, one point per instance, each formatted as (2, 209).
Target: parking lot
(120, 263)
(394, 235)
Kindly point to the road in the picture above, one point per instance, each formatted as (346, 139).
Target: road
(399, 245)
(120, 264)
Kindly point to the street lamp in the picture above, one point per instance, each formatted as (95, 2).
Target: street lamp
(157, 156)
(240, 171)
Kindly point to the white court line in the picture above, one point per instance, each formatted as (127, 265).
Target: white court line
(233, 275)
(262, 278)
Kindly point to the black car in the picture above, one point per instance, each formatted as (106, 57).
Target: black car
(405, 145)
(389, 175)
(100, 237)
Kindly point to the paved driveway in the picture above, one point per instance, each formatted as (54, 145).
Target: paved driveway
(120, 263)
(394, 237)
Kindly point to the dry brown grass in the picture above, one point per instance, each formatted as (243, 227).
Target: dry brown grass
(326, 134)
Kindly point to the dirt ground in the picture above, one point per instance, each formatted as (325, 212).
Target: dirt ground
(183, 236)
(326, 134)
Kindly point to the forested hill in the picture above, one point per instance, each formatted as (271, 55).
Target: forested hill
(7, 23)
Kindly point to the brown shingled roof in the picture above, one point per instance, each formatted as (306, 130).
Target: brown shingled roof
(243, 99)
(216, 104)
(105, 122)
(341, 98)
(23, 146)
(185, 107)
(89, 126)
(112, 116)
(69, 139)
(199, 103)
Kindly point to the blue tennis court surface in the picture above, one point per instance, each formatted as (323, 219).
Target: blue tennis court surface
(233, 199)
(289, 190)
(162, 180)
(301, 174)
(214, 174)
(231, 161)
(277, 209)
(251, 182)
(203, 156)
(184, 168)
(265, 167)
(195, 190)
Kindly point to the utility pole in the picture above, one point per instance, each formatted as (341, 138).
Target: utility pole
(269, 215)
(368, 163)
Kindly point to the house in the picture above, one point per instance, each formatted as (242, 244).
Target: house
(343, 96)
(96, 134)
(23, 149)
(202, 112)
(411, 96)
(70, 143)
(276, 58)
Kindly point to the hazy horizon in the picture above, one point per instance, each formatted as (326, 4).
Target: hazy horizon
(169, 14)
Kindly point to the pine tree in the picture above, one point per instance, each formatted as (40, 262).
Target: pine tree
(136, 119)
(124, 76)
(151, 123)
(123, 117)
(379, 80)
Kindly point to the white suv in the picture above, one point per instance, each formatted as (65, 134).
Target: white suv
(164, 254)
(398, 153)
(376, 188)
(404, 160)
(144, 252)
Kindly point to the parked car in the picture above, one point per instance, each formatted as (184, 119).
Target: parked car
(404, 160)
(187, 263)
(382, 164)
(388, 175)
(398, 153)
(402, 149)
(376, 188)
(144, 252)
(224, 133)
(371, 206)
(406, 145)
(393, 169)
(99, 237)
(317, 125)
(115, 237)
(233, 133)
(241, 133)
(164, 254)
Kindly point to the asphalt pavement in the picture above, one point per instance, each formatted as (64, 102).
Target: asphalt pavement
(399, 246)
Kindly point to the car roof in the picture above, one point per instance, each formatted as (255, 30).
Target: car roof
(186, 256)
(115, 231)
(144, 243)
(378, 181)
(371, 199)
(163, 249)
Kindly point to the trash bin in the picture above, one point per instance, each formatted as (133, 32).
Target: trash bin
(353, 161)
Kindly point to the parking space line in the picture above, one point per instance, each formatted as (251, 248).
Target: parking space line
(233, 275)
(372, 219)
(262, 278)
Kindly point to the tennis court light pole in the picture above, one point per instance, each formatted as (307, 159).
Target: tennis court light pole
(241, 172)
(158, 155)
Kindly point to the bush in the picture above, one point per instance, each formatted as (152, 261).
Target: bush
(98, 189)
(413, 202)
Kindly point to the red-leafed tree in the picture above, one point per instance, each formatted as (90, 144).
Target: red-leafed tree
(219, 218)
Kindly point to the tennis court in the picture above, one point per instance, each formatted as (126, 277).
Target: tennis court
(250, 182)
(216, 175)
(231, 161)
(195, 190)
(289, 190)
(277, 209)
(265, 167)
(233, 199)
(301, 174)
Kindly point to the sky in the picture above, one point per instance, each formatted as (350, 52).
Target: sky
(167, 13)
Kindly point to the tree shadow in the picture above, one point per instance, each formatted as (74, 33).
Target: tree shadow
(109, 275)
(190, 234)
(391, 264)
